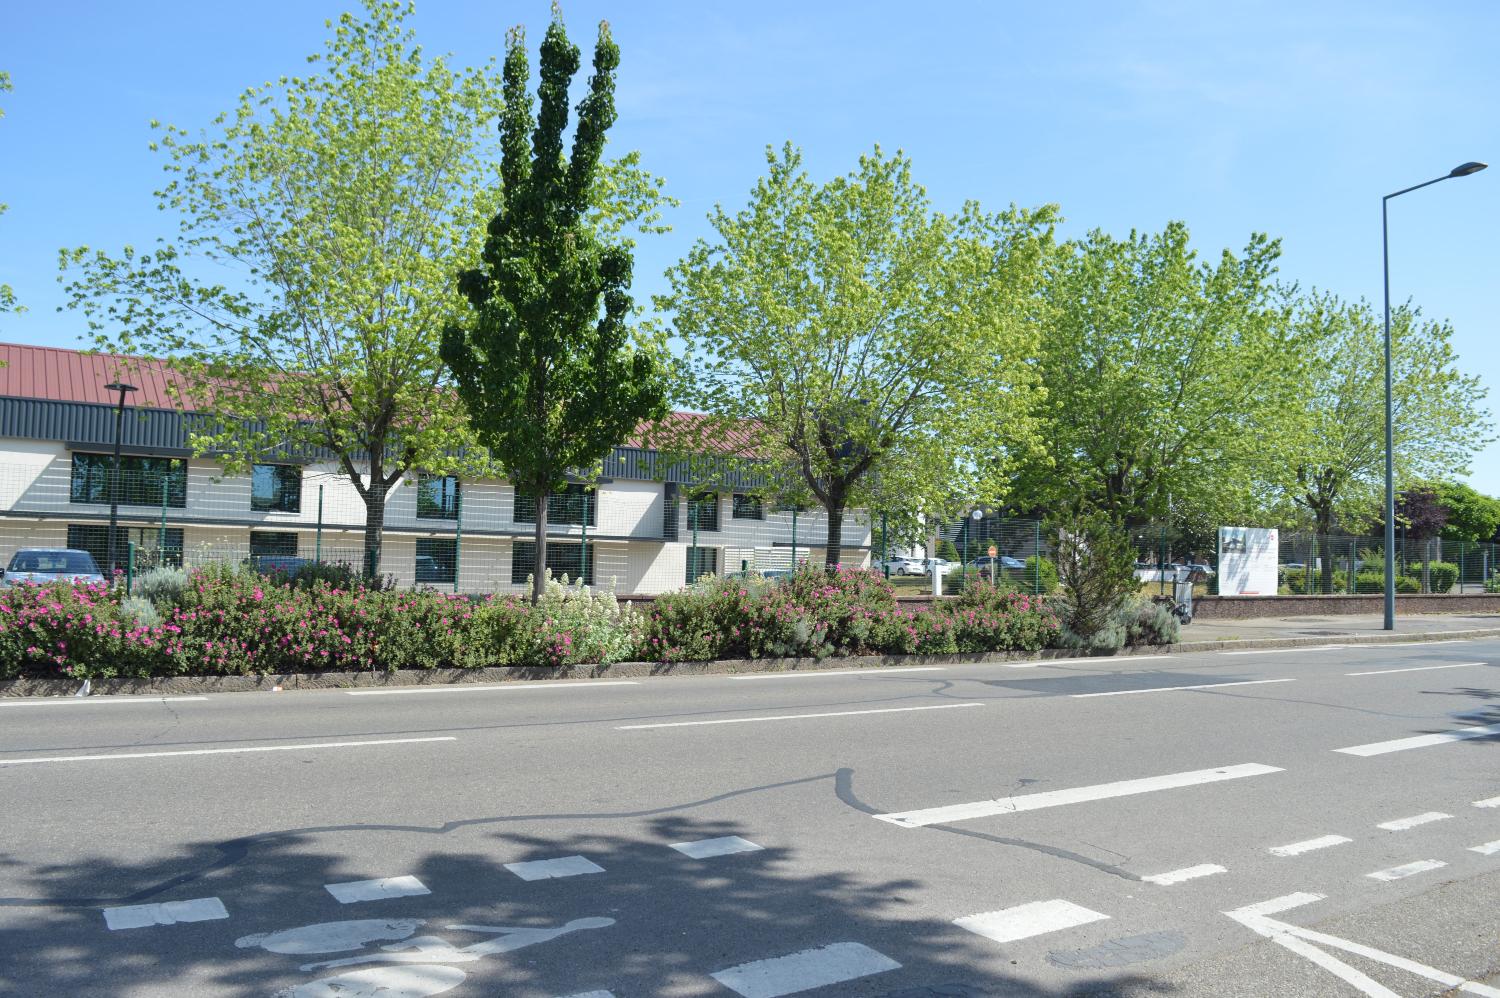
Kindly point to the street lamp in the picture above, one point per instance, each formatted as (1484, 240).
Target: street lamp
(114, 470)
(1463, 170)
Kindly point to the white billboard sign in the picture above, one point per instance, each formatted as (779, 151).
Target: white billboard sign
(1247, 561)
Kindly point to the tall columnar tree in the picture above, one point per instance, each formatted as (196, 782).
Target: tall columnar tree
(321, 222)
(550, 371)
(878, 351)
(1338, 458)
(1165, 374)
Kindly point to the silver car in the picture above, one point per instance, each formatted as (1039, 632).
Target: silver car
(43, 565)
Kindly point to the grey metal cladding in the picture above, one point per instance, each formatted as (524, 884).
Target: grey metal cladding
(90, 426)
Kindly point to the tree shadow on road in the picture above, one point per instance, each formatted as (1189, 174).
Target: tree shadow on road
(673, 920)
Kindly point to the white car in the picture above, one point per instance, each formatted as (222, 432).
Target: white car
(904, 566)
(944, 566)
(43, 565)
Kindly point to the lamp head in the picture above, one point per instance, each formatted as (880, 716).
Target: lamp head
(121, 387)
(1465, 169)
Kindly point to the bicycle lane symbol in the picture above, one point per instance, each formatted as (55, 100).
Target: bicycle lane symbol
(408, 967)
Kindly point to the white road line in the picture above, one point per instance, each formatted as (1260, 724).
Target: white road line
(554, 869)
(1417, 644)
(593, 994)
(1492, 802)
(792, 717)
(812, 968)
(1422, 741)
(708, 848)
(376, 890)
(222, 751)
(1285, 651)
(1026, 920)
(513, 687)
(1419, 668)
(1074, 795)
(1274, 906)
(1189, 873)
(96, 701)
(1488, 849)
(1402, 824)
(1089, 660)
(1408, 870)
(812, 674)
(1298, 848)
(138, 916)
(1170, 689)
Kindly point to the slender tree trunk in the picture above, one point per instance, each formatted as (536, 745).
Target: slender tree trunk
(834, 552)
(374, 529)
(539, 570)
(1324, 527)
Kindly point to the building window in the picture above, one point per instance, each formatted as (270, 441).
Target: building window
(748, 507)
(703, 511)
(437, 497)
(562, 559)
(437, 560)
(143, 480)
(276, 488)
(149, 552)
(669, 507)
(701, 562)
(574, 505)
(273, 543)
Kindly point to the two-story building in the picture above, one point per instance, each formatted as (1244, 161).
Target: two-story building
(647, 527)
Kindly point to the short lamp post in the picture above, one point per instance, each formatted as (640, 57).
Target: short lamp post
(1462, 170)
(114, 473)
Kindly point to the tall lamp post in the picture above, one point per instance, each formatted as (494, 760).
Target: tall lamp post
(114, 472)
(1462, 170)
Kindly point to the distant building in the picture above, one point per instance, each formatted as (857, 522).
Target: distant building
(57, 436)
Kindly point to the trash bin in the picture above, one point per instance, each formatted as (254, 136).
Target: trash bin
(1182, 593)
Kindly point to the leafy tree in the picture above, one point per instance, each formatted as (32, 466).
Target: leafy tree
(7, 294)
(321, 222)
(1472, 516)
(1096, 570)
(548, 367)
(1338, 458)
(1164, 376)
(872, 347)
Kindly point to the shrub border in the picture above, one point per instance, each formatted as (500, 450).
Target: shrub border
(638, 670)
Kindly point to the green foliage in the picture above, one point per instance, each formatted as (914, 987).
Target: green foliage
(872, 347)
(1492, 584)
(547, 367)
(162, 587)
(947, 549)
(321, 222)
(1096, 569)
(1441, 575)
(1472, 515)
(577, 624)
(984, 617)
(1039, 573)
(1338, 453)
(1366, 583)
(1164, 375)
(140, 612)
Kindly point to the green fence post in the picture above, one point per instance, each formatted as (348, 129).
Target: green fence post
(161, 534)
(1351, 568)
(129, 566)
(318, 544)
(1036, 554)
(583, 546)
(458, 534)
(885, 545)
(794, 537)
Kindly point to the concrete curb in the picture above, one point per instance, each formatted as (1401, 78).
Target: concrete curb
(185, 685)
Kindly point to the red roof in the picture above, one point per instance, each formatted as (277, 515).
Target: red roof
(60, 375)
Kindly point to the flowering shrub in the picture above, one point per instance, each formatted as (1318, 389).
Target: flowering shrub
(815, 614)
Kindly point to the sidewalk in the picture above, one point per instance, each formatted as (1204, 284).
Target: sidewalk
(1274, 628)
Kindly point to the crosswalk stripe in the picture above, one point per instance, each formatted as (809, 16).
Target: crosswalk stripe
(1298, 848)
(137, 916)
(812, 968)
(1408, 870)
(1026, 920)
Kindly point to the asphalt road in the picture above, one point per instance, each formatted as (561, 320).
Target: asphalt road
(1299, 822)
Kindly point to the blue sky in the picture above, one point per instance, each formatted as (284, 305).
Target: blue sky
(1288, 118)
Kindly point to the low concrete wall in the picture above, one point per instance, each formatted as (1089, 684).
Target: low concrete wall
(1242, 607)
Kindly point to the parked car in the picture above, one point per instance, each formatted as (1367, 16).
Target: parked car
(1200, 566)
(279, 564)
(902, 566)
(42, 565)
(944, 566)
(1006, 561)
